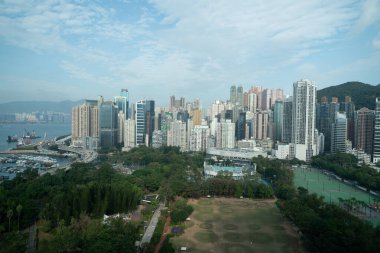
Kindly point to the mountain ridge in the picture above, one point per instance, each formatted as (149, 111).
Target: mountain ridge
(362, 94)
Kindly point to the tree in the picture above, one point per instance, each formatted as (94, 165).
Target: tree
(18, 209)
(9, 215)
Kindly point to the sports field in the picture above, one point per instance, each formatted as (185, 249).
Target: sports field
(237, 225)
(332, 189)
(315, 181)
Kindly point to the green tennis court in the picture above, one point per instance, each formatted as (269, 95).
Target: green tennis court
(332, 190)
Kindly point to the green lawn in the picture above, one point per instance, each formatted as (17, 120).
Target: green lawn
(237, 225)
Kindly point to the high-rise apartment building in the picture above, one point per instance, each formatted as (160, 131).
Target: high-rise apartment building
(278, 113)
(177, 135)
(197, 117)
(252, 102)
(339, 133)
(287, 120)
(199, 138)
(85, 121)
(276, 94)
(262, 125)
(376, 139)
(325, 117)
(237, 95)
(129, 134)
(216, 108)
(225, 134)
(266, 96)
(177, 103)
(303, 137)
(364, 130)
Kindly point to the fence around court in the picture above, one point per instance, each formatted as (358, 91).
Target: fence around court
(326, 185)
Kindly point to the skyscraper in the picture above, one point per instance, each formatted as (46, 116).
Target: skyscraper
(339, 133)
(364, 130)
(278, 114)
(240, 126)
(287, 119)
(240, 96)
(107, 124)
(149, 120)
(233, 94)
(304, 99)
(122, 102)
(140, 122)
(376, 139)
(349, 108)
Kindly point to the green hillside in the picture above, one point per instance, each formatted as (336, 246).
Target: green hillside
(362, 94)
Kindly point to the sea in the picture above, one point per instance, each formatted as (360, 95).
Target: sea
(44, 130)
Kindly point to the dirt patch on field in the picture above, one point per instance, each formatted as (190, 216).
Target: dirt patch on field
(237, 225)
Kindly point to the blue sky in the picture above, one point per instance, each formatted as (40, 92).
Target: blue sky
(58, 50)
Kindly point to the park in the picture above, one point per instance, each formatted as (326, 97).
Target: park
(237, 225)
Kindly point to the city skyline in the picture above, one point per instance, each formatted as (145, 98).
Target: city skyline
(66, 50)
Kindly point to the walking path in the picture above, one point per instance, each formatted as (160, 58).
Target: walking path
(31, 245)
(152, 225)
(163, 237)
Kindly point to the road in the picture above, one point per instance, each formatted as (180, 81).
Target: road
(87, 156)
(152, 225)
(32, 238)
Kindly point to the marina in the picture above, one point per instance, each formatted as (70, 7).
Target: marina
(10, 165)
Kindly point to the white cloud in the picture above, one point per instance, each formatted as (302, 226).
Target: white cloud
(369, 14)
(183, 46)
(376, 43)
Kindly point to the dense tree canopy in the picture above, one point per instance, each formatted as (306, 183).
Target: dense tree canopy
(345, 166)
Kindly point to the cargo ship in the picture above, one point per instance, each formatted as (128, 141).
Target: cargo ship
(27, 137)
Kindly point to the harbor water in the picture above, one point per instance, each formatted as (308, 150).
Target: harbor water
(20, 129)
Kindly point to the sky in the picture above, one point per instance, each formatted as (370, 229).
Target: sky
(58, 50)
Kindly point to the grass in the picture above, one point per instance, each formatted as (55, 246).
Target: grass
(261, 238)
(230, 226)
(237, 225)
(206, 225)
(206, 237)
(233, 248)
(233, 237)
